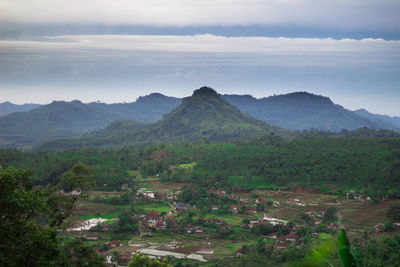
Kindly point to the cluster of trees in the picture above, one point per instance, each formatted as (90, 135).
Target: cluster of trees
(370, 166)
(31, 217)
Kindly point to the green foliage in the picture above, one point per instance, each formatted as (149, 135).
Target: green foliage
(330, 214)
(345, 254)
(140, 260)
(30, 218)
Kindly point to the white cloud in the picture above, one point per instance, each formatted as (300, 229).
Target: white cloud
(344, 14)
(207, 43)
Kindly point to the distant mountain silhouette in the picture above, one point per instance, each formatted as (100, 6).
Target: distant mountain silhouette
(8, 107)
(394, 121)
(294, 111)
(203, 116)
(302, 110)
(62, 119)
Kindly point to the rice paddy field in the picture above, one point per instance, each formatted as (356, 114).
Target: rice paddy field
(356, 217)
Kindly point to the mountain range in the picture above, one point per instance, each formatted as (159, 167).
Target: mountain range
(202, 116)
(294, 111)
(8, 107)
(302, 110)
(62, 119)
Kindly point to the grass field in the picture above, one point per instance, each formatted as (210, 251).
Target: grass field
(187, 165)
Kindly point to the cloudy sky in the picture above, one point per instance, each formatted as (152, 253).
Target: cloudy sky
(117, 50)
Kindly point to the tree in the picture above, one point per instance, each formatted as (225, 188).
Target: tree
(29, 221)
(261, 246)
(140, 260)
(330, 214)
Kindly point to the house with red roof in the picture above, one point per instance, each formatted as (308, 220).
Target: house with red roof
(161, 225)
(114, 243)
(146, 232)
(152, 218)
(251, 210)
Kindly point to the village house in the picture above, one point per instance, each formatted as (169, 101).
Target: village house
(276, 204)
(194, 229)
(161, 225)
(281, 245)
(292, 237)
(91, 237)
(146, 193)
(152, 218)
(198, 229)
(332, 227)
(235, 209)
(218, 192)
(315, 235)
(253, 223)
(149, 194)
(181, 207)
(105, 228)
(273, 235)
(124, 187)
(214, 207)
(380, 227)
(146, 232)
(189, 229)
(317, 221)
(125, 257)
(172, 196)
(251, 210)
(75, 192)
(114, 243)
(218, 221)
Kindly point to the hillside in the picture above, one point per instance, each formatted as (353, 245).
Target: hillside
(8, 107)
(203, 116)
(302, 110)
(395, 121)
(295, 111)
(68, 119)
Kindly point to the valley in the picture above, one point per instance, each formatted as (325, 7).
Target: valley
(208, 245)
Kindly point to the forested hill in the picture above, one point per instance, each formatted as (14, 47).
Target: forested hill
(336, 165)
(302, 110)
(295, 111)
(203, 116)
(8, 107)
(67, 119)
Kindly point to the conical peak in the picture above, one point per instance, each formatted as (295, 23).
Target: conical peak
(205, 91)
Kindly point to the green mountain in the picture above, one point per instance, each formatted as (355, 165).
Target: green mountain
(62, 119)
(203, 116)
(8, 107)
(302, 110)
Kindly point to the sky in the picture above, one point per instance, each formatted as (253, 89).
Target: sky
(117, 50)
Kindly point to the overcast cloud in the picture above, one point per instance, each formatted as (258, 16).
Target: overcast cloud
(117, 50)
(345, 14)
(116, 68)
